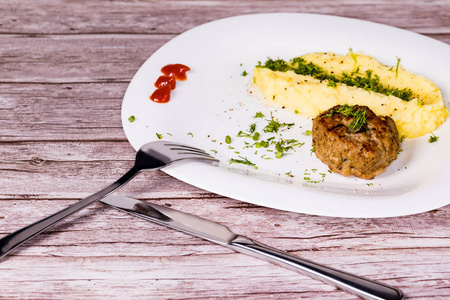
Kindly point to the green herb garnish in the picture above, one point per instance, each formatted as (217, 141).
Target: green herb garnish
(250, 132)
(358, 115)
(366, 81)
(433, 138)
(331, 83)
(228, 139)
(159, 135)
(242, 160)
(283, 146)
(244, 73)
(396, 68)
(354, 58)
(274, 125)
(131, 118)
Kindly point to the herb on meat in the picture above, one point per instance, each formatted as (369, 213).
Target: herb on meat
(358, 115)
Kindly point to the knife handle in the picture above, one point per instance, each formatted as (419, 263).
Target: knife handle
(364, 288)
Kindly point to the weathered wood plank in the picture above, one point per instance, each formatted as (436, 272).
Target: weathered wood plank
(289, 231)
(61, 112)
(65, 180)
(96, 58)
(105, 246)
(174, 17)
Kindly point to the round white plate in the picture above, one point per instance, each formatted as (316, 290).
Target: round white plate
(217, 100)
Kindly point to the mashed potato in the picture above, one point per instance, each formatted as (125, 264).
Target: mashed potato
(331, 83)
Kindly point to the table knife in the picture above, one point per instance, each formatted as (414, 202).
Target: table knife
(220, 234)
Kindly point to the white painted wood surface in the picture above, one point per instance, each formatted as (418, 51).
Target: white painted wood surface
(65, 66)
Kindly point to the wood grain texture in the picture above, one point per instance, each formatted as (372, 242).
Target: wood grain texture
(65, 66)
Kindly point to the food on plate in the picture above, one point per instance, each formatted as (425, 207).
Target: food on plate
(352, 140)
(167, 82)
(314, 82)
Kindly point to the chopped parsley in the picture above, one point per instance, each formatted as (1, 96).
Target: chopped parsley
(242, 160)
(331, 83)
(307, 176)
(358, 115)
(396, 68)
(244, 73)
(283, 146)
(250, 132)
(433, 138)
(371, 82)
(366, 81)
(258, 115)
(274, 125)
(354, 58)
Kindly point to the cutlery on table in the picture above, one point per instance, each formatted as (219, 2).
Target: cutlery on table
(151, 156)
(220, 234)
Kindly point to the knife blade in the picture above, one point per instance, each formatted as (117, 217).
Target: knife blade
(222, 235)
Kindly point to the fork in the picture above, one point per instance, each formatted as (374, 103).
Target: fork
(151, 156)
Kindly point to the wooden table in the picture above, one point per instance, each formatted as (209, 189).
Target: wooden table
(65, 67)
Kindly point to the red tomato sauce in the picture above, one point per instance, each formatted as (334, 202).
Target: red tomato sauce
(177, 70)
(167, 82)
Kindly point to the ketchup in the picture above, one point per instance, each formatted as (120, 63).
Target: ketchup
(167, 82)
(177, 70)
(161, 95)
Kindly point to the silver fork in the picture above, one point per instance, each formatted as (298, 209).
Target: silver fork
(151, 156)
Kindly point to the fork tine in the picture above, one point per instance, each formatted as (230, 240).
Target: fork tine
(188, 152)
(175, 146)
(196, 154)
(184, 149)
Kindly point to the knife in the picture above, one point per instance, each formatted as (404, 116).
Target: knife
(220, 234)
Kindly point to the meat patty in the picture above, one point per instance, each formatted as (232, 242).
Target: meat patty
(351, 149)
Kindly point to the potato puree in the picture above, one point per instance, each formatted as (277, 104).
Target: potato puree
(309, 96)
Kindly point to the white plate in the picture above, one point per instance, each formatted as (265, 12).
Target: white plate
(216, 100)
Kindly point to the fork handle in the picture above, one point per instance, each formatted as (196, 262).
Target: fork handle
(15, 239)
(359, 286)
